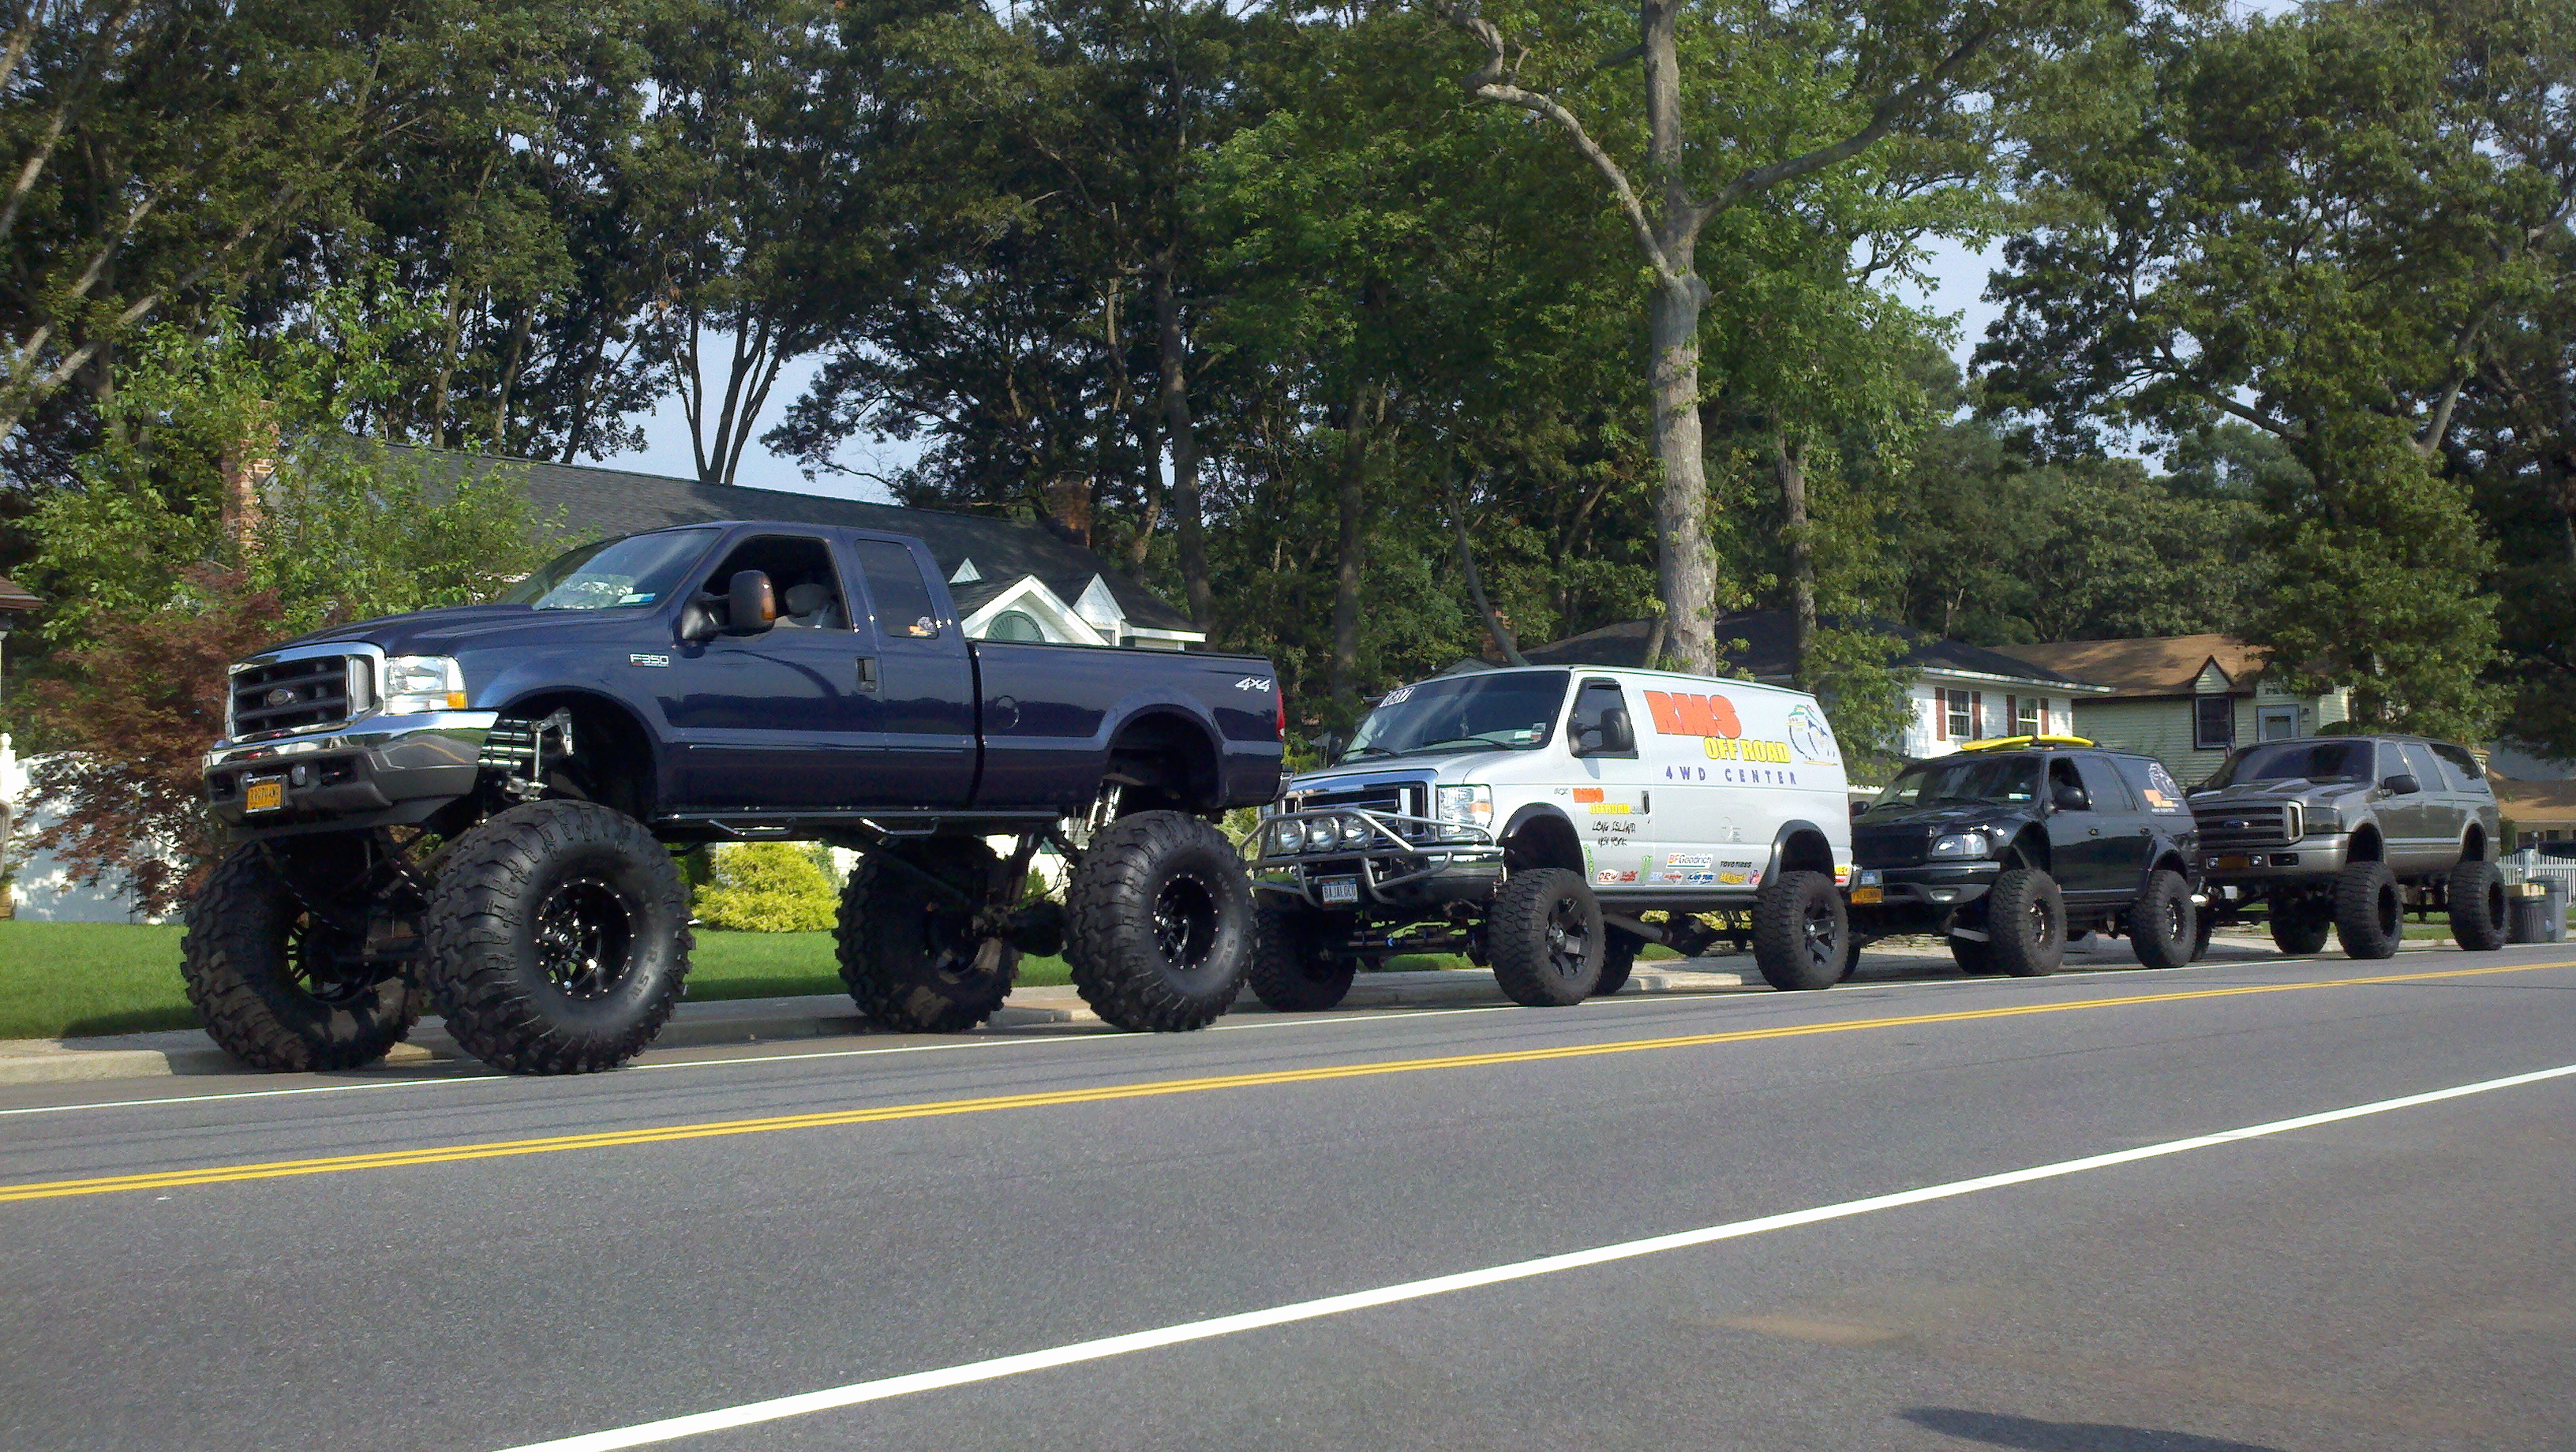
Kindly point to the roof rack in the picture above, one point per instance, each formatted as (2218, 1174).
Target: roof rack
(2016, 743)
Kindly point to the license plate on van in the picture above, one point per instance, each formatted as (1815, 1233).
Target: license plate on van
(1340, 891)
(265, 794)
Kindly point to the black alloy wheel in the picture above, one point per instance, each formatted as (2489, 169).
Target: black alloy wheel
(1545, 935)
(585, 938)
(1185, 923)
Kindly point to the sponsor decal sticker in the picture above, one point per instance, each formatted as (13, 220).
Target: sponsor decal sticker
(1687, 859)
(1608, 809)
(1731, 879)
(1700, 878)
(1587, 794)
(1679, 713)
(1812, 737)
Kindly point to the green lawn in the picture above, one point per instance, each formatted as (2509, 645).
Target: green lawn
(60, 980)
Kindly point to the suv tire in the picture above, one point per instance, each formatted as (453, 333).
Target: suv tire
(1975, 959)
(1618, 960)
(1545, 936)
(2300, 929)
(908, 952)
(2369, 919)
(2163, 928)
(1801, 932)
(1158, 927)
(558, 938)
(2477, 906)
(276, 987)
(2204, 923)
(2026, 923)
(1287, 973)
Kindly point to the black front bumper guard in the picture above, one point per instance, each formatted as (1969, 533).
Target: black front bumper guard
(1383, 859)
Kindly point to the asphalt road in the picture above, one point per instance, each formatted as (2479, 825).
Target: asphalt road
(1921, 1214)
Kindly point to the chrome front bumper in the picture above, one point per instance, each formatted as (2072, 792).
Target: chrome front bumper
(373, 770)
(1383, 865)
(2319, 854)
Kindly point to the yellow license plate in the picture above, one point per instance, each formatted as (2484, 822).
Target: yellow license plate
(1865, 894)
(2237, 863)
(263, 796)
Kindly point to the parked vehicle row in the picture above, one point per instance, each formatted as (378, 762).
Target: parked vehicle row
(475, 809)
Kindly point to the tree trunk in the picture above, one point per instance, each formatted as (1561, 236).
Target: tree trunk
(1351, 500)
(1493, 618)
(1685, 574)
(1791, 462)
(1181, 433)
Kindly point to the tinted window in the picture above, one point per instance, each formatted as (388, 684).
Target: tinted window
(2463, 768)
(801, 578)
(2319, 761)
(2103, 785)
(2151, 783)
(2421, 765)
(1592, 707)
(2012, 779)
(628, 573)
(2066, 791)
(1511, 712)
(894, 586)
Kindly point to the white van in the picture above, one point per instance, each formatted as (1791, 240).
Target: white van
(1533, 817)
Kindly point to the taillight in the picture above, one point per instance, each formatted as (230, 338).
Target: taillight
(1279, 689)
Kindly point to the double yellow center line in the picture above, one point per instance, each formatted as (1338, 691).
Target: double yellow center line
(773, 1124)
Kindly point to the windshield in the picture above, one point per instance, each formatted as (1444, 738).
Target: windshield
(1512, 712)
(2321, 761)
(637, 570)
(2013, 779)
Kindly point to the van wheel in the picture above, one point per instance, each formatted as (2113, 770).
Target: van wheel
(908, 952)
(1618, 960)
(2162, 926)
(2026, 923)
(2477, 906)
(1545, 933)
(1158, 927)
(2369, 920)
(1800, 932)
(1288, 974)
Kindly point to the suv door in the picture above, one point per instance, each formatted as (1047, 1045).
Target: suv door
(771, 720)
(2093, 843)
(2128, 836)
(2436, 811)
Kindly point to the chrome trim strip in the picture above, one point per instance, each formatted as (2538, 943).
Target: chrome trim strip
(379, 732)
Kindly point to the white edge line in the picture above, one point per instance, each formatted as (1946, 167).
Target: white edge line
(1393, 1013)
(884, 1388)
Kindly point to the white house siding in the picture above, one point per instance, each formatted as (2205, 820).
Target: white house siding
(40, 887)
(1927, 735)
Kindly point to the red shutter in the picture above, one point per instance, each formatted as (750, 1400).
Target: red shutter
(1941, 713)
(2012, 714)
(1976, 713)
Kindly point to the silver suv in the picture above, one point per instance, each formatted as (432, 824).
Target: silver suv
(2352, 833)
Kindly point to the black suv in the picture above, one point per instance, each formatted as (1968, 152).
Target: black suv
(2008, 846)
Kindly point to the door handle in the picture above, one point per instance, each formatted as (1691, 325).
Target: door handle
(867, 679)
(2092, 831)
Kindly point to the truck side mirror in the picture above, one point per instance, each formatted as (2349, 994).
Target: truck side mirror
(751, 605)
(698, 623)
(2403, 784)
(1618, 733)
(1859, 807)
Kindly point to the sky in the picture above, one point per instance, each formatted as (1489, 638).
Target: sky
(1958, 275)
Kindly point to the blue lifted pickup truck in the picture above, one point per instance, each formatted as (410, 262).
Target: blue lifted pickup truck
(474, 806)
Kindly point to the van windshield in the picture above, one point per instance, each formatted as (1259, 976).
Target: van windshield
(1500, 712)
(2318, 761)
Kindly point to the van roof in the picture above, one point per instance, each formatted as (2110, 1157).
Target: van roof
(1730, 682)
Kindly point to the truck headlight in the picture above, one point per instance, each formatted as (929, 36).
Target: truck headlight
(1470, 807)
(415, 684)
(1959, 844)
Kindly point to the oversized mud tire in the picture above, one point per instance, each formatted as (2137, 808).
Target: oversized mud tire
(2369, 918)
(1618, 960)
(2025, 923)
(2204, 924)
(558, 938)
(1545, 934)
(2163, 927)
(2477, 906)
(908, 952)
(1289, 972)
(1801, 932)
(1158, 926)
(2300, 928)
(278, 988)
(1975, 959)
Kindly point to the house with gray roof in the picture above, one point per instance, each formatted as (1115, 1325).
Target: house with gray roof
(1011, 580)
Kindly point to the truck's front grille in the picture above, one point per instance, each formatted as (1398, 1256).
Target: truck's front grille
(298, 695)
(2229, 826)
(1889, 846)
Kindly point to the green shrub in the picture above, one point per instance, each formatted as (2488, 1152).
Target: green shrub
(768, 887)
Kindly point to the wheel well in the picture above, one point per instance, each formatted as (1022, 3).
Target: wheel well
(1543, 839)
(2365, 845)
(2032, 848)
(1165, 760)
(2473, 845)
(2172, 862)
(611, 749)
(1806, 850)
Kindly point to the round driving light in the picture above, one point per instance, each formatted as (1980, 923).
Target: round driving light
(1354, 829)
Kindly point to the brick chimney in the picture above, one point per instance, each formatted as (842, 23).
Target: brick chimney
(247, 468)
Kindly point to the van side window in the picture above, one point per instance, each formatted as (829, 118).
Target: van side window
(1590, 727)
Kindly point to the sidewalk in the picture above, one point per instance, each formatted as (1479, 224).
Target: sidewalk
(756, 1020)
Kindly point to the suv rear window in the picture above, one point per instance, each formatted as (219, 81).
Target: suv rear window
(2153, 784)
(2465, 775)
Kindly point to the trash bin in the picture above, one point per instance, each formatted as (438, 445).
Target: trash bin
(2536, 912)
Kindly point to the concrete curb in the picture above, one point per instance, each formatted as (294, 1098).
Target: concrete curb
(745, 1021)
